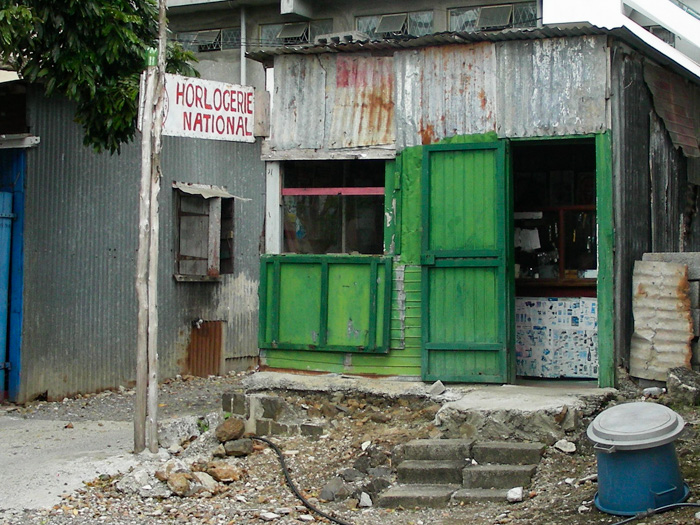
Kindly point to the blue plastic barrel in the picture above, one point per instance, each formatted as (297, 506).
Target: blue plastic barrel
(637, 463)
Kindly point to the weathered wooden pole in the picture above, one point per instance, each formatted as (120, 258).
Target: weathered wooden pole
(156, 175)
(146, 402)
(147, 94)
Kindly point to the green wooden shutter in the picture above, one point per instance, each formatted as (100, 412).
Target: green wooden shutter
(467, 297)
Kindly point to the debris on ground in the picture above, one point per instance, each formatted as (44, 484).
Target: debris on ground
(209, 471)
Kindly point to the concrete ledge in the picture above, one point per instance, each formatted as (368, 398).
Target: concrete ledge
(411, 496)
(430, 472)
(507, 452)
(434, 449)
(476, 495)
(497, 476)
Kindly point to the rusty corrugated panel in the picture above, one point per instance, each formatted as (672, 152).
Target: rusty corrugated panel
(554, 86)
(299, 112)
(445, 91)
(362, 102)
(663, 327)
(676, 102)
(332, 102)
(204, 353)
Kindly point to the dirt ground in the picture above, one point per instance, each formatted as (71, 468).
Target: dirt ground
(562, 490)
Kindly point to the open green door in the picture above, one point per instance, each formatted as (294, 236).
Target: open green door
(466, 242)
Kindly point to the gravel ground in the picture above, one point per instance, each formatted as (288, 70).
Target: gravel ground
(562, 490)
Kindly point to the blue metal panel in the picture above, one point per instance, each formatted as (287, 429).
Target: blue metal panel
(12, 177)
(5, 238)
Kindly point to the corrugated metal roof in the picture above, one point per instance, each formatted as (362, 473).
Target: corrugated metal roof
(663, 327)
(266, 55)
(677, 103)
(436, 39)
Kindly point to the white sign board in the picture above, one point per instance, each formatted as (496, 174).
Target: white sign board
(208, 110)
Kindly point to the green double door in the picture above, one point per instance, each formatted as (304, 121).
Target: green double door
(466, 247)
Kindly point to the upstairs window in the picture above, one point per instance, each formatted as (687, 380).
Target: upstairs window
(272, 35)
(333, 206)
(470, 19)
(210, 40)
(417, 23)
(205, 232)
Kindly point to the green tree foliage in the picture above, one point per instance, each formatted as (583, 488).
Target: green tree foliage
(91, 51)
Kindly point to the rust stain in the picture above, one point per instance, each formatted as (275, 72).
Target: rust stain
(482, 98)
(427, 134)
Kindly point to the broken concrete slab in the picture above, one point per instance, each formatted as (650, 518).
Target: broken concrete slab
(495, 412)
(523, 413)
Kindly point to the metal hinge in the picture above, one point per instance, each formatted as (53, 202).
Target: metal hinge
(6, 366)
(8, 216)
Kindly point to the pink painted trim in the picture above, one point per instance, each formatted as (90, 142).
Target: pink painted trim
(373, 190)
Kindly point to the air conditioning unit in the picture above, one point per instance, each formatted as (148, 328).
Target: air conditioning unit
(342, 37)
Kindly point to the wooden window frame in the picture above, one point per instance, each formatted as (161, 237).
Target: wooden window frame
(213, 198)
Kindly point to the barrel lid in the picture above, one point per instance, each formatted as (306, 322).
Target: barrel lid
(634, 426)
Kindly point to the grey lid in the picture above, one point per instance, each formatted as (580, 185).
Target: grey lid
(634, 426)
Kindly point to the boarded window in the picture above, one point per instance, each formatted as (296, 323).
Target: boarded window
(205, 233)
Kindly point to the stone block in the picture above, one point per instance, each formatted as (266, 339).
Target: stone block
(433, 449)
(269, 427)
(479, 495)
(507, 452)
(272, 406)
(311, 430)
(428, 472)
(411, 496)
(497, 476)
(235, 403)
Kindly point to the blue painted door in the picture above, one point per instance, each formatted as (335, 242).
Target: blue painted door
(12, 178)
(6, 217)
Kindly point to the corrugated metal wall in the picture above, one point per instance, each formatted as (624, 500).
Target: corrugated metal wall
(631, 106)
(552, 87)
(445, 91)
(650, 178)
(529, 88)
(80, 256)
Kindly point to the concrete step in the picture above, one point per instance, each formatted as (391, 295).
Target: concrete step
(434, 449)
(497, 476)
(430, 472)
(477, 495)
(411, 496)
(507, 452)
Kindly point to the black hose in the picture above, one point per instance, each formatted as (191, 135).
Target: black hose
(293, 487)
(658, 510)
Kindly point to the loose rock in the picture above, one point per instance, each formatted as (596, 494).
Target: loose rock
(515, 495)
(231, 429)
